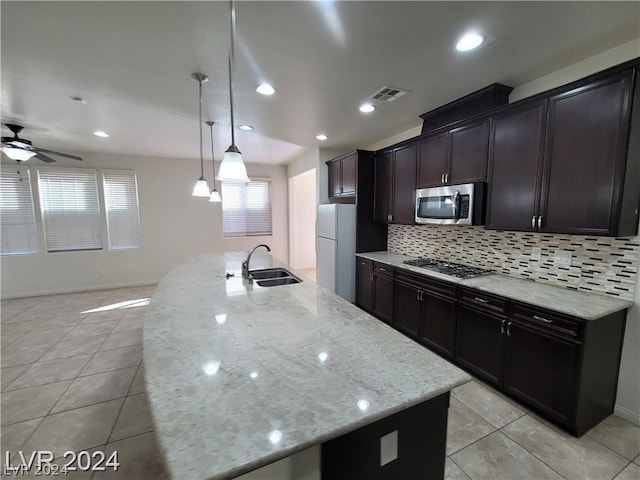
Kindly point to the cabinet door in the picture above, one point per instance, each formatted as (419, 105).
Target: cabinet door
(383, 297)
(541, 370)
(404, 184)
(408, 309)
(438, 326)
(383, 187)
(480, 344)
(349, 175)
(586, 156)
(515, 167)
(364, 288)
(335, 182)
(469, 147)
(433, 160)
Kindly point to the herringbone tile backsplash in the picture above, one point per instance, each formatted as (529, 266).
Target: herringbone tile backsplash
(603, 265)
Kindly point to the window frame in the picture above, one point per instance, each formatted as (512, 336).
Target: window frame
(245, 233)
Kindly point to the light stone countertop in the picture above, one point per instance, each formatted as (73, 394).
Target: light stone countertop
(587, 306)
(239, 376)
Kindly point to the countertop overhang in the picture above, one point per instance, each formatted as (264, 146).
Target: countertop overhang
(587, 306)
(239, 376)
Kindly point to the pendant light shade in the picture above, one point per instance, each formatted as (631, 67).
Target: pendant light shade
(232, 168)
(201, 188)
(215, 196)
(17, 153)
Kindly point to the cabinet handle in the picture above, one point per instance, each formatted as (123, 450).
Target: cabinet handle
(382, 269)
(446, 178)
(421, 297)
(542, 319)
(533, 222)
(480, 300)
(539, 222)
(509, 329)
(442, 178)
(502, 326)
(418, 295)
(371, 276)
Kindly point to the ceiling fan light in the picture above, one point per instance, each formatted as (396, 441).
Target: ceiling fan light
(201, 188)
(232, 168)
(18, 153)
(215, 197)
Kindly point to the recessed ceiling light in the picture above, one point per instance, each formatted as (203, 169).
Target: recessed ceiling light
(469, 41)
(78, 99)
(367, 107)
(246, 128)
(265, 89)
(321, 136)
(100, 133)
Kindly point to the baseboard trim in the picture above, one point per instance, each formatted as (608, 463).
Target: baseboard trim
(625, 413)
(84, 289)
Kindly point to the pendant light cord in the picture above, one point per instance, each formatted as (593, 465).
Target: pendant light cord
(232, 17)
(200, 129)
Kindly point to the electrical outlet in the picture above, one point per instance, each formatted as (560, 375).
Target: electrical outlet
(388, 448)
(562, 258)
(536, 253)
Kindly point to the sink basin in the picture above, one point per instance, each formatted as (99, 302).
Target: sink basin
(270, 273)
(274, 282)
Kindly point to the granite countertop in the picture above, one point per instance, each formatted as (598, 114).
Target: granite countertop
(239, 376)
(587, 306)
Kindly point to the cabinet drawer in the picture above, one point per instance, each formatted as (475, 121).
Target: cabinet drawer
(483, 301)
(383, 268)
(547, 320)
(364, 263)
(427, 283)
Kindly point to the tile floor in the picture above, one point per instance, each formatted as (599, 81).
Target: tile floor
(72, 379)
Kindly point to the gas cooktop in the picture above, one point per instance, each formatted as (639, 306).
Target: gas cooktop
(448, 268)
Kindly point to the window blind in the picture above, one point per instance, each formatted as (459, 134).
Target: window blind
(246, 208)
(121, 205)
(17, 217)
(70, 209)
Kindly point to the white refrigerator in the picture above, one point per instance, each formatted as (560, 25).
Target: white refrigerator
(336, 248)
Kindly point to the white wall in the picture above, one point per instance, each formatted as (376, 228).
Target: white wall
(175, 226)
(302, 220)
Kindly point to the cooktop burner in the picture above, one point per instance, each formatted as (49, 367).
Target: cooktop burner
(448, 268)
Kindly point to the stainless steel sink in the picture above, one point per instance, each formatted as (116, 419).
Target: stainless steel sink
(272, 277)
(274, 282)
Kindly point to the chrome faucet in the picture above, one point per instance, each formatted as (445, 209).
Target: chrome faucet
(245, 264)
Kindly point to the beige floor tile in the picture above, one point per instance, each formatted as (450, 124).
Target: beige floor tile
(574, 458)
(464, 427)
(631, 472)
(96, 388)
(92, 329)
(619, 435)
(494, 408)
(138, 385)
(114, 359)
(453, 471)
(104, 316)
(17, 328)
(139, 458)
(75, 430)
(59, 322)
(29, 403)
(129, 323)
(134, 419)
(43, 337)
(6, 340)
(122, 339)
(498, 457)
(13, 436)
(637, 460)
(9, 374)
(49, 372)
(74, 347)
(14, 355)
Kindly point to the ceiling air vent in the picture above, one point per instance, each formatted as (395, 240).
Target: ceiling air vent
(389, 94)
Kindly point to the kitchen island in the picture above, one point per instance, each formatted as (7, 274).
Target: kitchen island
(239, 376)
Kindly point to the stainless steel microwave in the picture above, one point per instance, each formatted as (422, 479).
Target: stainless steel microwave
(451, 205)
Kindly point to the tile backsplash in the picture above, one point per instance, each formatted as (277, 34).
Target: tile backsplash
(602, 265)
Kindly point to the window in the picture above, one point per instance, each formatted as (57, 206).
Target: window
(121, 205)
(70, 209)
(246, 208)
(17, 217)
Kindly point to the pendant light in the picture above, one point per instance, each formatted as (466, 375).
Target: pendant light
(201, 188)
(232, 168)
(215, 196)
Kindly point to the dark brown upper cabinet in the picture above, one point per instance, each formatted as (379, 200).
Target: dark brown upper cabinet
(395, 185)
(458, 155)
(567, 161)
(342, 175)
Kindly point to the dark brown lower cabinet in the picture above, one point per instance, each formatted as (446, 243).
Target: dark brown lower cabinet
(408, 309)
(364, 284)
(383, 296)
(438, 326)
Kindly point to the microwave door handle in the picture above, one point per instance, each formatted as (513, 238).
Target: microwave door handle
(456, 208)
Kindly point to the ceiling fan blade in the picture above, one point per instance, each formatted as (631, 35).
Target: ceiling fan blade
(44, 158)
(60, 154)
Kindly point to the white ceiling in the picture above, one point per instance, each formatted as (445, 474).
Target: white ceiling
(132, 63)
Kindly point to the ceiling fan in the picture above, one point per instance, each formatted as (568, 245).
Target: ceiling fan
(21, 149)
